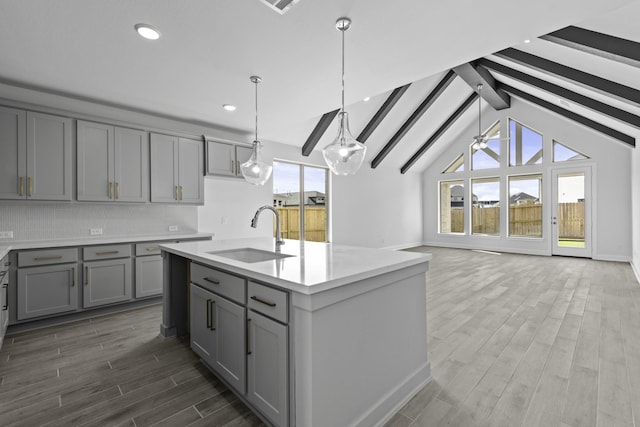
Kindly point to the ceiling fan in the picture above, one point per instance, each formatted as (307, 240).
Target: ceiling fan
(480, 140)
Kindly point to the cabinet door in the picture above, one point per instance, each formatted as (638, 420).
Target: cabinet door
(149, 276)
(164, 168)
(95, 179)
(106, 282)
(131, 165)
(202, 340)
(49, 157)
(46, 290)
(228, 321)
(13, 161)
(267, 367)
(221, 159)
(242, 155)
(191, 177)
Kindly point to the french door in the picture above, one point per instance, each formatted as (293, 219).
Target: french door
(571, 211)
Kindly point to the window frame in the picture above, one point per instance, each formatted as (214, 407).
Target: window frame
(523, 177)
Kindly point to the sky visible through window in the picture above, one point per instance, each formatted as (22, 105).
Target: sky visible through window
(286, 178)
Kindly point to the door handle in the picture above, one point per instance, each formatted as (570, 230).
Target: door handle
(30, 184)
(176, 190)
(233, 169)
(213, 327)
(110, 190)
(209, 313)
(21, 186)
(117, 190)
(262, 301)
(181, 192)
(247, 344)
(554, 220)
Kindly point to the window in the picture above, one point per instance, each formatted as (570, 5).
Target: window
(525, 206)
(456, 166)
(488, 157)
(562, 153)
(485, 211)
(301, 188)
(525, 145)
(452, 207)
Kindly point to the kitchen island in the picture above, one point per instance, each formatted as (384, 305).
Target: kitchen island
(330, 335)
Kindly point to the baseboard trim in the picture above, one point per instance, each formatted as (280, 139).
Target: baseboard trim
(617, 258)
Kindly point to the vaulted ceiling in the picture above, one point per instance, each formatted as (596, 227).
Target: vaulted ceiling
(398, 53)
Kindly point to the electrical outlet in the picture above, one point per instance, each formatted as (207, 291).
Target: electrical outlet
(173, 228)
(223, 220)
(6, 234)
(96, 231)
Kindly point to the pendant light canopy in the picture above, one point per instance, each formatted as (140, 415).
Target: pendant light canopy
(254, 170)
(344, 155)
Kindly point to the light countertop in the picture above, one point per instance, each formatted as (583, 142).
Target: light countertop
(313, 266)
(95, 240)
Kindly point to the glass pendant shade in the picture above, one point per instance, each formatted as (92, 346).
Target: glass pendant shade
(254, 170)
(344, 155)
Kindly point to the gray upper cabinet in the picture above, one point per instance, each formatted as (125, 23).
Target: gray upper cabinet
(224, 158)
(176, 170)
(37, 158)
(113, 163)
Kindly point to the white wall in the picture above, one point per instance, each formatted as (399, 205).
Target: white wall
(612, 186)
(635, 188)
(374, 208)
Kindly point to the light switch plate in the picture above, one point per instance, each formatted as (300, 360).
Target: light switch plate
(173, 228)
(6, 234)
(96, 231)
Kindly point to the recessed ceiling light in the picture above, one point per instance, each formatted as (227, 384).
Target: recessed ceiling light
(229, 107)
(367, 98)
(147, 31)
(527, 41)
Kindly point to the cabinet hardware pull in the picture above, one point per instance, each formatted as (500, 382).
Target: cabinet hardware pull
(107, 252)
(181, 192)
(177, 192)
(30, 184)
(21, 185)
(213, 327)
(152, 248)
(233, 168)
(214, 281)
(117, 190)
(260, 300)
(238, 170)
(209, 313)
(248, 337)
(47, 258)
(110, 190)
(6, 297)
(73, 277)
(86, 275)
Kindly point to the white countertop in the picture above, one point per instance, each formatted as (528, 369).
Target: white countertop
(313, 266)
(95, 240)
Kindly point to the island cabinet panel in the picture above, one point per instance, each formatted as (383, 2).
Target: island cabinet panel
(225, 284)
(107, 282)
(47, 290)
(267, 367)
(218, 335)
(148, 276)
(4, 297)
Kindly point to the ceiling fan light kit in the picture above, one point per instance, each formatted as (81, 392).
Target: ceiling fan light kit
(254, 170)
(345, 154)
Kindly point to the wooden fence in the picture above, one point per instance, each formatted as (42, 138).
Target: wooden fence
(524, 220)
(315, 222)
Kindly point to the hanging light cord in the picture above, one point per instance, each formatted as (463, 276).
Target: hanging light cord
(479, 113)
(342, 31)
(256, 82)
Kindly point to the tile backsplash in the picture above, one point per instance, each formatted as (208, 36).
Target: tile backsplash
(45, 221)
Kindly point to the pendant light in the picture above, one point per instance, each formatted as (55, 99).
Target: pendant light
(344, 155)
(480, 139)
(254, 170)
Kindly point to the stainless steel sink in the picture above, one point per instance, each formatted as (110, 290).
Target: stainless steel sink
(249, 255)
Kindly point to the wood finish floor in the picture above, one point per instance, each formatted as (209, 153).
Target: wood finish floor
(514, 340)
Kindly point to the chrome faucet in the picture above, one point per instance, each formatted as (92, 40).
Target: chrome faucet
(254, 224)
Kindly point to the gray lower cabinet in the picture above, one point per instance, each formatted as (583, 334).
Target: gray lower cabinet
(267, 368)
(47, 290)
(148, 276)
(106, 282)
(4, 298)
(218, 335)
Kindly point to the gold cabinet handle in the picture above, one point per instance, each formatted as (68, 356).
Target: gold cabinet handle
(107, 252)
(181, 192)
(265, 302)
(30, 184)
(176, 197)
(152, 248)
(110, 190)
(117, 190)
(47, 258)
(21, 186)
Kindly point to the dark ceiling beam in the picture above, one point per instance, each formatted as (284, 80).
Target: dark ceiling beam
(415, 116)
(570, 115)
(318, 131)
(438, 133)
(603, 85)
(473, 76)
(585, 101)
(603, 45)
(382, 113)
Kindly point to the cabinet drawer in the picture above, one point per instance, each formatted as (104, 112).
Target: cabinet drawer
(269, 301)
(224, 284)
(106, 252)
(150, 248)
(47, 256)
